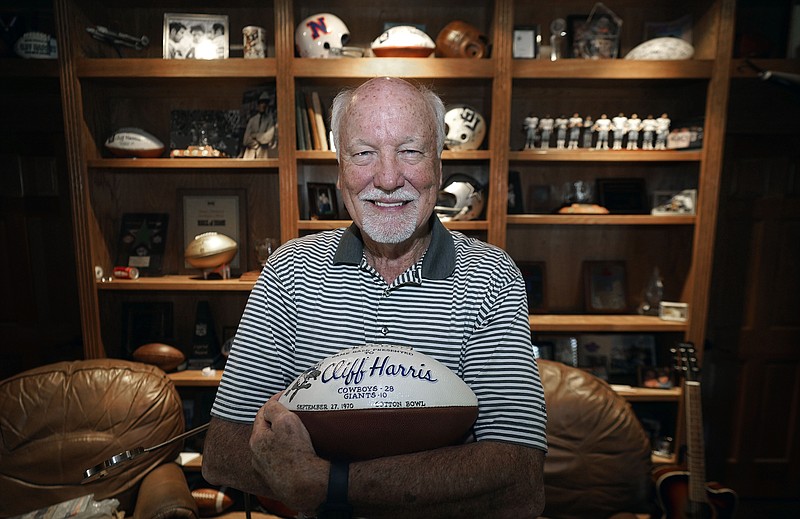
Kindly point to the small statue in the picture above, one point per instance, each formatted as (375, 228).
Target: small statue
(561, 131)
(588, 124)
(619, 122)
(662, 130)
(546, 124)
(653, 293)
(602, 127)
(648, 132)
(634, 125)
(574, 124)
(529, 125)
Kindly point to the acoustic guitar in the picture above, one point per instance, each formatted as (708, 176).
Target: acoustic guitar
(683, 492)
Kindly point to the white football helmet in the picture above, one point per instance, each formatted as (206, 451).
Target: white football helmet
(461, 198)
(465, 128)
(322, 35)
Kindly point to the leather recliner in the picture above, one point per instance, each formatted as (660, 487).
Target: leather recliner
(58, 420)
(598, 463)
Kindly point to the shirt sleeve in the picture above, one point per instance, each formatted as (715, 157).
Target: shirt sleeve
(501, 368)
(264, 338)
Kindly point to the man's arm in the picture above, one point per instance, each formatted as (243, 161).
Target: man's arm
(227, 460)
(483, 478)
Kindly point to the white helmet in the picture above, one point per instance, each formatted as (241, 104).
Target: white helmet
(465, 128)
(322, 35)
(461, 198)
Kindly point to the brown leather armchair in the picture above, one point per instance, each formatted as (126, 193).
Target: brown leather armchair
(58, 420)
(598, 464)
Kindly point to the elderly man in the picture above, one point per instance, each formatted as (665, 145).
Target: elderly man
(396, 276)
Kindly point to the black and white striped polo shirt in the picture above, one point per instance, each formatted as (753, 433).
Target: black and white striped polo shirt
(463, 303)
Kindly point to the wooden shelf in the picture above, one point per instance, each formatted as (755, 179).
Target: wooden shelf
(447, 155)
(324, 225)
(154, 68)
(611, 69)
(436, 68)
(28, 68)
(646, 394)
(178, 283)
(603, 323)
(195, 378)
(180, 163)
(591, 155)
(599, 219)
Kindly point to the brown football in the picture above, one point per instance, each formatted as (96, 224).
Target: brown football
(164, 356)
(211, 501)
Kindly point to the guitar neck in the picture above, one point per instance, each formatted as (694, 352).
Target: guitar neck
(696, 453)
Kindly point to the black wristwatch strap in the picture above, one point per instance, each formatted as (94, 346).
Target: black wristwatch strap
(336, 506)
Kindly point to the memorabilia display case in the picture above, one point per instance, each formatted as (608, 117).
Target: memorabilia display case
(107, 87)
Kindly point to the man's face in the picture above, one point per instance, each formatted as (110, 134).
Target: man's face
(389, 173)
(177, 35)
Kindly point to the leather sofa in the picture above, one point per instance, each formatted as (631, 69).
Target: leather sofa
(598, 464)
(58, 420)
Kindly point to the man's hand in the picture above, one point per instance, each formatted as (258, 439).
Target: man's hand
(285, 458)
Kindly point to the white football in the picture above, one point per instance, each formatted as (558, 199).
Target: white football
(403, 41)
(36, 45)
(210, 250)
(380, 400)
(134, 142)
(662, 48)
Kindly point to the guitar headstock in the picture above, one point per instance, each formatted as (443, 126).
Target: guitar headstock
(685, 359)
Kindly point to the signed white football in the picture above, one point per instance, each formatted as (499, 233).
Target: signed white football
(403, 41)
(662, 48)
(134, 142)
(381, 400)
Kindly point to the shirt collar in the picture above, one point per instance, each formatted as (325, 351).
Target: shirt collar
(439, 261)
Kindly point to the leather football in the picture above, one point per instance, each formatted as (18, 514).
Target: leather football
(164, 356)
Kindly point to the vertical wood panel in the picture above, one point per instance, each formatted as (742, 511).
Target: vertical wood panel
(74, 133)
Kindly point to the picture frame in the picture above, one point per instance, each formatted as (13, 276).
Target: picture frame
(515, 199)
(322, 203)
(142, 242)
(526, 41)
(214, 210)
(217, 132)
(533, 273)
(620, 354)
(593, 36)
(605, 287)
(655, 377)
(622, 195)
(195, 36)
(144, 322)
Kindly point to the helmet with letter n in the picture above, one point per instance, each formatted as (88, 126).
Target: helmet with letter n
(321, 35)
(461, 198)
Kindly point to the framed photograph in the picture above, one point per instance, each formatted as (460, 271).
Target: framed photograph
(655, 377)
(515, 203)
(142, 240)
(322, 203)
(544, 349)
(534, 275)
(605, 287)
(526, 41)
(593, 36)
(206, 133)
(623, 195)
(144, 322)
(620, 354)
(223, 211)
(195, 36)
